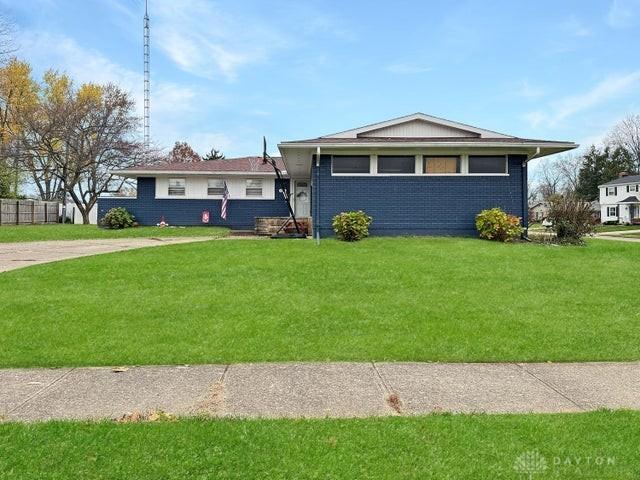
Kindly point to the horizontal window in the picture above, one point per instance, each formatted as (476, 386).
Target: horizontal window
(177, 186)
(215, 186)
(253, 187)
(487, 164)
(612, 191)
(612, 211)
(396, 164)
(350, 164)
(441, 164)
(632, 188)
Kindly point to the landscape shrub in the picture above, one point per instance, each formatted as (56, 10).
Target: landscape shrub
(572, 219)
(117, 218)
(496, 224)
(352, 226)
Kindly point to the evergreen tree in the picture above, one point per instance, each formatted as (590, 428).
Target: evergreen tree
(601, 166)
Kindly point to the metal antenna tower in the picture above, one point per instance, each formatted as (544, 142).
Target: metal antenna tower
(147, 99)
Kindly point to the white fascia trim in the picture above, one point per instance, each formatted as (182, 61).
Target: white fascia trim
(416, 116)
(432, 145)
(155, 173)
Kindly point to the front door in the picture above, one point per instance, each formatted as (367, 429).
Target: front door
(303, 199)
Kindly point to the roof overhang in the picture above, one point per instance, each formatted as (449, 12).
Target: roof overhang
(132, 173)
(297, 156)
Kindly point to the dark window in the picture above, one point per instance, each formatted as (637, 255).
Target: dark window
(350, 164)
(396, 164)
(487, 164)
(441, 164)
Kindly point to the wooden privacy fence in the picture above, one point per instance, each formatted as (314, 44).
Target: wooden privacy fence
(24, 212)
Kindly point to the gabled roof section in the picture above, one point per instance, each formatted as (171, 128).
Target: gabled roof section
(623, 180)
(417, 125)
(631, 199)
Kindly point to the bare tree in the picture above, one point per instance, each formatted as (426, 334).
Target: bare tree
(103, 138)
(549, 179)
(626, 134)
(568, 167)
(7, 46)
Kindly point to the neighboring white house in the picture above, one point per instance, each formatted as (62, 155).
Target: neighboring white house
(620, 199)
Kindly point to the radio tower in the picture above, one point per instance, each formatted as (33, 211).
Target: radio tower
(147, 99)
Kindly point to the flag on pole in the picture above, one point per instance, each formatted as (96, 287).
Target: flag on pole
(225, 201)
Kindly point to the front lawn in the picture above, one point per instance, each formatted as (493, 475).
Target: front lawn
(597, 445)
(422, 299)
(35, 233)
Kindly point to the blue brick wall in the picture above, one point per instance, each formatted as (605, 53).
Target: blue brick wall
(148, 210)
(417, 205)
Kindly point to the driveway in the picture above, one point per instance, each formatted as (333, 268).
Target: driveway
(19, 255)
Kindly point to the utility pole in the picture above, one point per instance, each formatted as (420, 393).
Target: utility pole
(147, 99)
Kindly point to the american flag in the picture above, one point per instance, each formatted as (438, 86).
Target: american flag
(225, 201)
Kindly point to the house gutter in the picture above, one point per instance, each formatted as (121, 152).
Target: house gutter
(316, 197)
(525, 193)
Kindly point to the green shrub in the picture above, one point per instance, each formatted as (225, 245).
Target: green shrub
(118, 217)
(351, 226)
(495, 224)
(572, 219)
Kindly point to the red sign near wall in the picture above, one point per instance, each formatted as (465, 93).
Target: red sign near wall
(205, 216)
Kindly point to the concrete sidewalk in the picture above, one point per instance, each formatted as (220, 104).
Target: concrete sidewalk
(618, 235)
(317, 389)
(23, 254)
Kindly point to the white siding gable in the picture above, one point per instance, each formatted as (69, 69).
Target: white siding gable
(418, 128)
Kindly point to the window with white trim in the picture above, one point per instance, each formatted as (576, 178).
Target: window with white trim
(442, 164)
(396, 164)
(350, 164)
(612, 191)
(488, 164)
(253, 187)
(632, 188)
(612, 211)
(177, 187)
(215, 186)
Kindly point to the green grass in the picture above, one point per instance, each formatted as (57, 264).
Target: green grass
(421, 299)
(616, 228)
(35, 233)
(598, 445)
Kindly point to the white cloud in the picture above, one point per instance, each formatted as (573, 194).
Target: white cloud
(173, 106)
(407, 68)
(623, 13)
(612, 87)
(205, 41)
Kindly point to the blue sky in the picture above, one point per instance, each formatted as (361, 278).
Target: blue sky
(226, 73)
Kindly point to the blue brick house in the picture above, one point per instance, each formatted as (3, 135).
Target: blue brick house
(415, 175)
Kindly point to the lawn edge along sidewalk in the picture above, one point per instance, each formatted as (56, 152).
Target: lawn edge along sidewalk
(297, 390)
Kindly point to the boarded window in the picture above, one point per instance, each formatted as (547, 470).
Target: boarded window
(177, 186)
(253, 187)
(487, 164)
(215, 186)
(442, 164)
(350, 164)
(396, 164)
